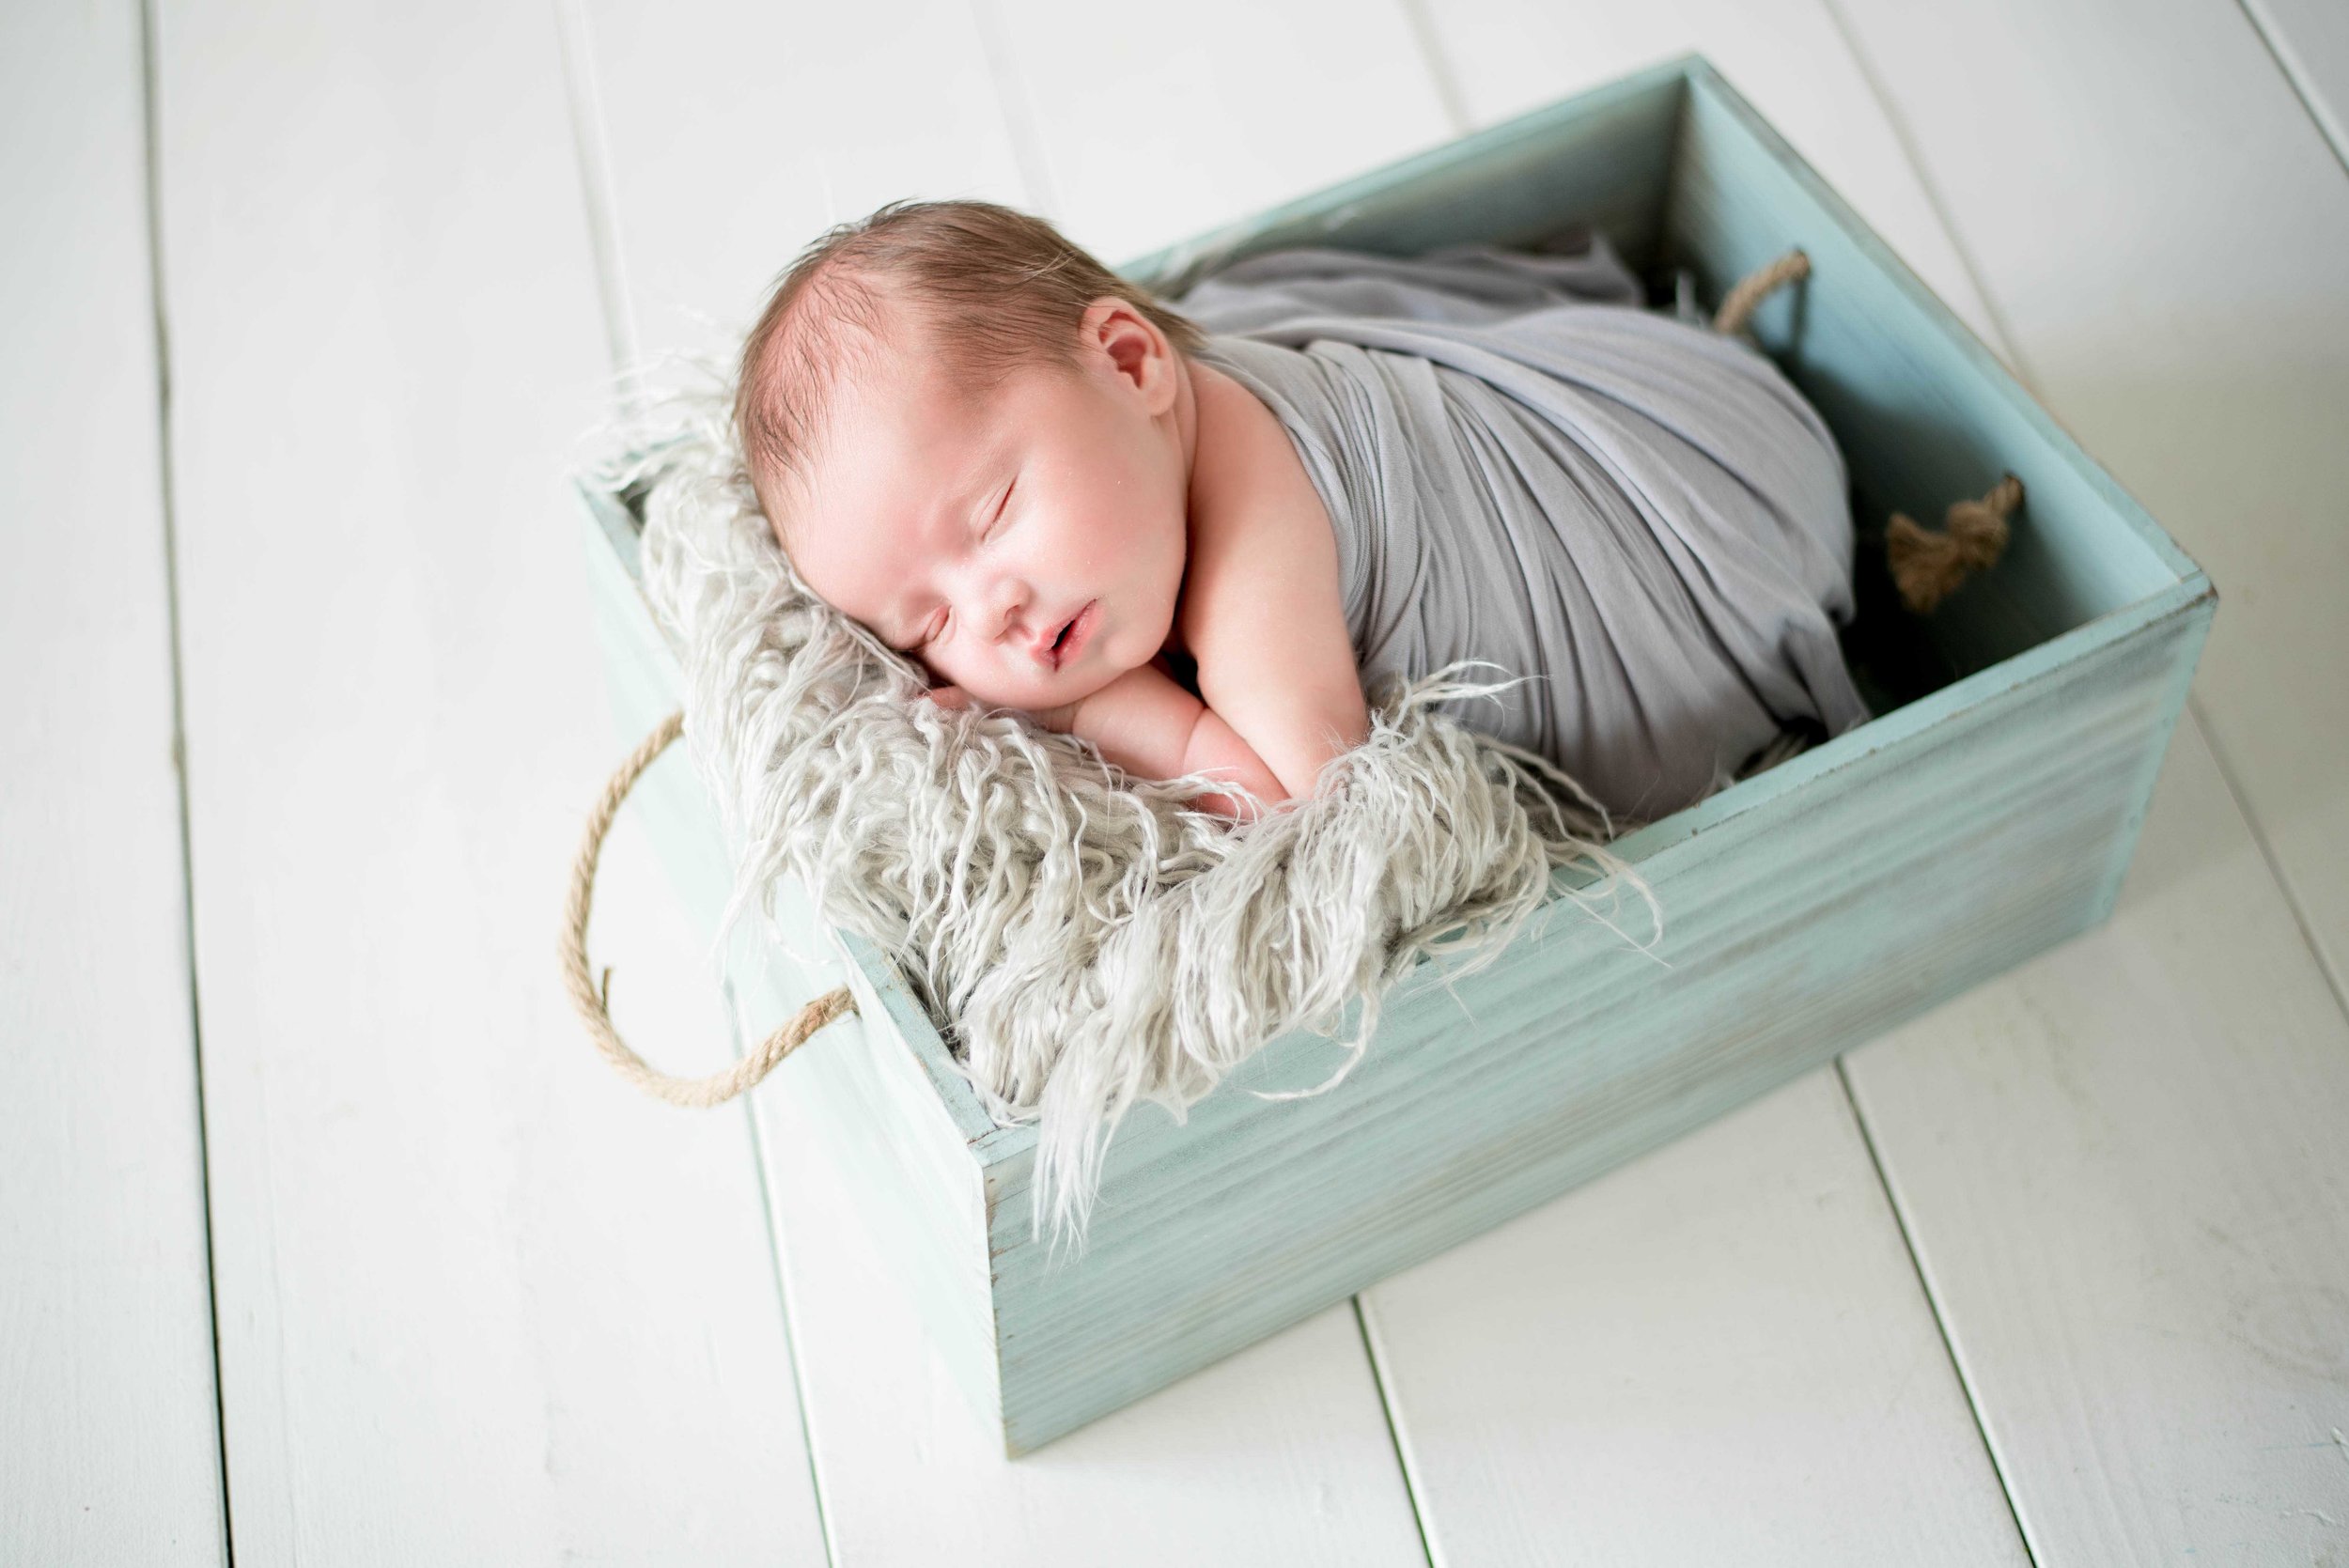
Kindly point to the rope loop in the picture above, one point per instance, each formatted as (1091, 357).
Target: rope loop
(593, 1000)
(1756, 287)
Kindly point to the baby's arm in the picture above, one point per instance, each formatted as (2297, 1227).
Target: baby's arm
(1149, 725)
(1266, 617)
(1154, 729)
(1284, 697)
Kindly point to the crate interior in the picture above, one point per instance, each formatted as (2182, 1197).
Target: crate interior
(1679, 174)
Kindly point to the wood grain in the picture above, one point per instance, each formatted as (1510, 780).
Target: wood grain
(1960, 1125)
(1787, 56)
(2121, 1171)
(2173, 289)
(1796, 928)
(2113, 1166)
(109, 1450)
(480, 1300)
(1153, 130)
(2311, 40)
(1278, 1455)
(734, 135)
(1719, 1352)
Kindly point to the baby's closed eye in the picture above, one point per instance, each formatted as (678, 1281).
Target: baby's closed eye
(935, 629)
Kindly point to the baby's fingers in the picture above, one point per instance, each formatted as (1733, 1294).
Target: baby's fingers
(948, 696)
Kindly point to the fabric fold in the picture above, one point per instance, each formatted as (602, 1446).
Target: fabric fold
(1524, 466)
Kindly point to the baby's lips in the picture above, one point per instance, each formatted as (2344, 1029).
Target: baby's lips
(1042, 647)
(1047, 640)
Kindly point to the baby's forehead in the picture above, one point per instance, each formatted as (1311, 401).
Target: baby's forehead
(911, 363)
(899, 431)
(858, 384)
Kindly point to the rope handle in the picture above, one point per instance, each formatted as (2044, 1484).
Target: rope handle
(593, 1001)
(1927, 565)
(1755, 287)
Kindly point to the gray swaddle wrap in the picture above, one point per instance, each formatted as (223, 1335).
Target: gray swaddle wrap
(1640, 513)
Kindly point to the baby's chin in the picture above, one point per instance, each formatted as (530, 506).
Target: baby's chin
(1076, 689)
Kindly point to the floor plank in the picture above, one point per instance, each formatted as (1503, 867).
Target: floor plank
(2075, 286)
(1719, 1353)
(736, 134)
(2311, 40)
(1278, 1456)
(2120, 1166)
(110, 1448)
(1150, 133)
(2172, 286)
(480, 1300)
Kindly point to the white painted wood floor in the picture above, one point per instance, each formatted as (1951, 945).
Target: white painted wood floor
(323, 1236)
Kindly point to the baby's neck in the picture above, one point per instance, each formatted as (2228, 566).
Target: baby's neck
(1187, 436)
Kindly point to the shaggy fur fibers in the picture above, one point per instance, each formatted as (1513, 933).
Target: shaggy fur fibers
(1091, 940)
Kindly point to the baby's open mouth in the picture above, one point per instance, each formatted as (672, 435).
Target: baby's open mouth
(1070, 638)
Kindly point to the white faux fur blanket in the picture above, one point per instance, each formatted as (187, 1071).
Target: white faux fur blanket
(1092, 940)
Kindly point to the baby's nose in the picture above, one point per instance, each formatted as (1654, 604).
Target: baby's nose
(1011, 616)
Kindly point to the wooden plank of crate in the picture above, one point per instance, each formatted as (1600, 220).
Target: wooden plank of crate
(479, 1299)
(1719, 1351)
(111, 1444)
(2171, 285)
(2121, 1170)
(1506, 56)
(2311, 40)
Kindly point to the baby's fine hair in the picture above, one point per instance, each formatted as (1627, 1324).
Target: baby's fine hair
(998, 290)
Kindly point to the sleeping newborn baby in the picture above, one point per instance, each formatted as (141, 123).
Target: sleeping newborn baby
(1194, 539)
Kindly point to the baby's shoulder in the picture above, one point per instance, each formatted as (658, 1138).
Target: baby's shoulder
(1247, 480)
(1262, 576)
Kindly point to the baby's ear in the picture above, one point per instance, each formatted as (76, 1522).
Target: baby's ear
(1139, 352)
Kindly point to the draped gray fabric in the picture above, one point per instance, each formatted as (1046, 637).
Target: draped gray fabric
(1524, 466)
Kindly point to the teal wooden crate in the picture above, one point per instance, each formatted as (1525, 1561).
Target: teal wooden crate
(1986, 814)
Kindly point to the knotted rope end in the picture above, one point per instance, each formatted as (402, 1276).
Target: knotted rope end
(1929, 567)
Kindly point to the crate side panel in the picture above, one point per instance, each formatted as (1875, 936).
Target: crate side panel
(893, 1141)
(1875, 892)
(1923, 412)
(1597, 159)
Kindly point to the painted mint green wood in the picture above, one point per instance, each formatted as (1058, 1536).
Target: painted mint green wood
(1986, 815)
(907, 1122)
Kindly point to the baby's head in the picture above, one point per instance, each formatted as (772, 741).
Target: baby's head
(973, 438)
